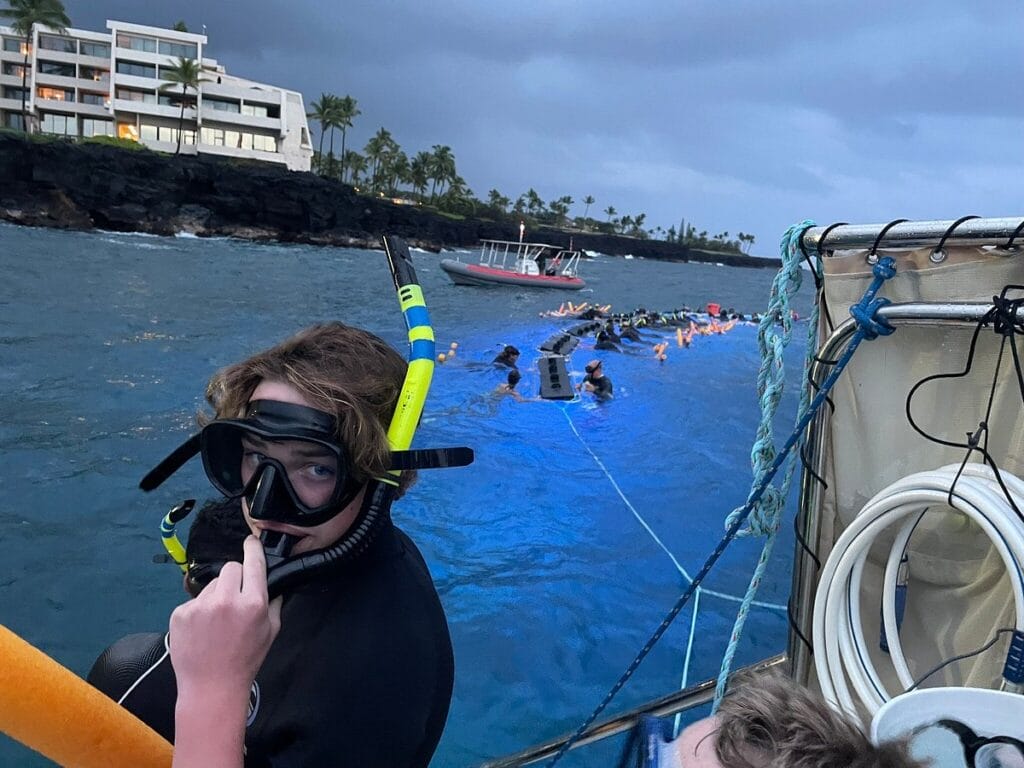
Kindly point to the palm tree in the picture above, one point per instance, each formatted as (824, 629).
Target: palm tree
(379, 150)
(187, 73)
(346, 111)
(497, 201)
(24, 15)
(442, 167)
(419, 172)
(610, 210)
(322, 113)
(356, 164)
(587, 201)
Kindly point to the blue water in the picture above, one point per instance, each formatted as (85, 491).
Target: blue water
(539, 550)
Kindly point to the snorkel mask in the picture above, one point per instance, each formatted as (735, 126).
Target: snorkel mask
(288, 464)
(283, 459)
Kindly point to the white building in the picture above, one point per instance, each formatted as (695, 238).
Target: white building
(85, 83)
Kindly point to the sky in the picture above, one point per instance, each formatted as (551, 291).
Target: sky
(733, 115)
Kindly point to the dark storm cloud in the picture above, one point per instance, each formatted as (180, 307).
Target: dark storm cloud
(734, 115)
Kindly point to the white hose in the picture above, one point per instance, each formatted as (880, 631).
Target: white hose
(840, 648)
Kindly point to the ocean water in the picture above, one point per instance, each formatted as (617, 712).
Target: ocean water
(556, 554)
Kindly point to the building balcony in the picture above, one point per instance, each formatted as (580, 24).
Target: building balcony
(251, 154)
(55, 81)
(125, 107)
(64, 57)
(211, 115)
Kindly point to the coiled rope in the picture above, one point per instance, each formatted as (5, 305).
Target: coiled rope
(766, 510)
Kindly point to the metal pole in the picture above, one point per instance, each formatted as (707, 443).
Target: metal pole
(680, 701)
(915, 234)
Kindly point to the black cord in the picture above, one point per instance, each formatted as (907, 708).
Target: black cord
(1016, 232)
(1003, 317)
(961, 657)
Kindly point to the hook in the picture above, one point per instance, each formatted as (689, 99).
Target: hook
(1017, 231)
(873, 253)
(938, 255)
(828, 229)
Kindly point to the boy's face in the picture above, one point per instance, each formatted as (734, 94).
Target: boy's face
(306, 538)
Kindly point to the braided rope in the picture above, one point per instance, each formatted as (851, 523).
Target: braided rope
(767, 512)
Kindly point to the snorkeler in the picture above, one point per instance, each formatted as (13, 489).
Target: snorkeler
(595, 381)
(508, 357)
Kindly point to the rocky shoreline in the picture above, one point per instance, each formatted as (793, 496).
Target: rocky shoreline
(85, 186)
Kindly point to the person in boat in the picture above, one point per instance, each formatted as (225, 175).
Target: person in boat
(604, 341)
(508, 357)
(508, 387)
(361, 672)
(609, 329)
(770, 720)
(595, 381)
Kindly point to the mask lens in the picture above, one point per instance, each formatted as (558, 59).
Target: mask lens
(232, 456)
(995, 755)
(940, 746)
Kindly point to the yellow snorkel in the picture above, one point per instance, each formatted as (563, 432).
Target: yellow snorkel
(421, 349)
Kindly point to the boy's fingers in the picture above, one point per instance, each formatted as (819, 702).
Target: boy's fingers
(254, 566)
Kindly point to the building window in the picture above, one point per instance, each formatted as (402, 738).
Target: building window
(137, 69)
(56, 68)
(55, 94)
(58, 43)
(62, 125)
(94, 127)
(96, 99)
(16, 70)
(181, 50)
(127, 131)
(256, 110)
(94, 73)
(264, 143)
(222, 105)
(135, 43)
(214, 137)
(15, 93)
(148, 132)
(168, 134)
(305, 137)
(15, 120)
(131, 94)
(15, 45)
(101, 50)
(219, 137)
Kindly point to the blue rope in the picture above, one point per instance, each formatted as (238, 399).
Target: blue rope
(871, 324)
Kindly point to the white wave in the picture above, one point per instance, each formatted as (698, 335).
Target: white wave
(186, 235)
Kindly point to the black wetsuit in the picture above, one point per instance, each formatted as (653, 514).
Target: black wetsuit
(360, 675)
(602, 386)
(508, 361)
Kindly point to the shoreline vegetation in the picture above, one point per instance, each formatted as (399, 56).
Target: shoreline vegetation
(112, 184)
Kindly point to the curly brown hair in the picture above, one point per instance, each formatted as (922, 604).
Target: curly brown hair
(770, 721)
(350, 373)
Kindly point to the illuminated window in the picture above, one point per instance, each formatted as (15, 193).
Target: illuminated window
(93, 127)
(127, 131)
(55, 94)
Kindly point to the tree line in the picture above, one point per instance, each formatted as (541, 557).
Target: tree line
(384, 169)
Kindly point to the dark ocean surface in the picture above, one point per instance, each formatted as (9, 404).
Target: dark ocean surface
(541, 550)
